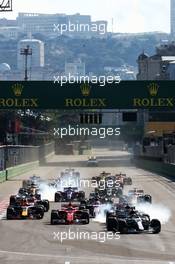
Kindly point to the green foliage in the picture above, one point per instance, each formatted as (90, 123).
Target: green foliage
(95, 52)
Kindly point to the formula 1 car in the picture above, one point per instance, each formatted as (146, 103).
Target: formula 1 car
(113, 181)
(70, 173)
(92, 205)
(138, 196)
(69, 194)
(94, 196)
(96, 205)
(35, 180)
(146, 198)
(129, 220)
(101, 176)
(92, 162)
(68, 177)
(70, 215)
(136, 192)
(109, 192)
(31, 199)
(24, 210)
(104, 174)
(31, 187)
(121, 177)
(32, 190)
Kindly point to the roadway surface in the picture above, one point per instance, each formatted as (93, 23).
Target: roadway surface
(36, 241)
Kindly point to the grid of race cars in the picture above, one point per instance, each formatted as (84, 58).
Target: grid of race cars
(121, 211)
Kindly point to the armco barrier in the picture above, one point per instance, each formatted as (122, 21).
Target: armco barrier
(20, 154)
(155, 166)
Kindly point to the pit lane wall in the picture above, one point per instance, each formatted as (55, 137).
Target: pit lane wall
(15, 160)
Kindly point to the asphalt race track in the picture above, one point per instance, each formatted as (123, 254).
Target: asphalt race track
(36, 241)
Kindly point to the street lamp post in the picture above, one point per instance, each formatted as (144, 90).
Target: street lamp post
(5, 157)
(26, 52)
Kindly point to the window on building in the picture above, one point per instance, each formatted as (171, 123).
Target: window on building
(90, 118)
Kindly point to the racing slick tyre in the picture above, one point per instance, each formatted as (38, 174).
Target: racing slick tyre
(39, 212)
(81, 196)
(148, 198)
(156, 226)
(57, 197)
(123, 229)
(109, 214)
(111, 224)
(146, 222)
(38, 196)
(9, 214)
(91, 211)
(85, 217)
(54, 215)
(46, 205)
(12, 200)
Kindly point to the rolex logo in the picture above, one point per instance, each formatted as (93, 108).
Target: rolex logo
(17, 89)
(153, 89)
(85, 89)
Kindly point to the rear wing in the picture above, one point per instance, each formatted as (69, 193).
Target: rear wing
(70, 188)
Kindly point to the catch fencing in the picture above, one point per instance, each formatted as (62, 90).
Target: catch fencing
(17, 159)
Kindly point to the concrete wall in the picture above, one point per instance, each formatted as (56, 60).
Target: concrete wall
(156, 166)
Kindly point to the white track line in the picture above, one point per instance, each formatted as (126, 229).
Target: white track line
(90, 259)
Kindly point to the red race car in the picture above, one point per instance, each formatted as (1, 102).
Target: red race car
(70, 214)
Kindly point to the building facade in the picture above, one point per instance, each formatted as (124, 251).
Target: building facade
(75, 25)
(160, 66)
(40, 23)
(36, 59)
(172, 17)
(76, 69)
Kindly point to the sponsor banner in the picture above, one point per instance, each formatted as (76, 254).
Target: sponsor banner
(124, 95)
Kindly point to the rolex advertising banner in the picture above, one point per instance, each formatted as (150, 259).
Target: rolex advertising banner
(123, 95)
